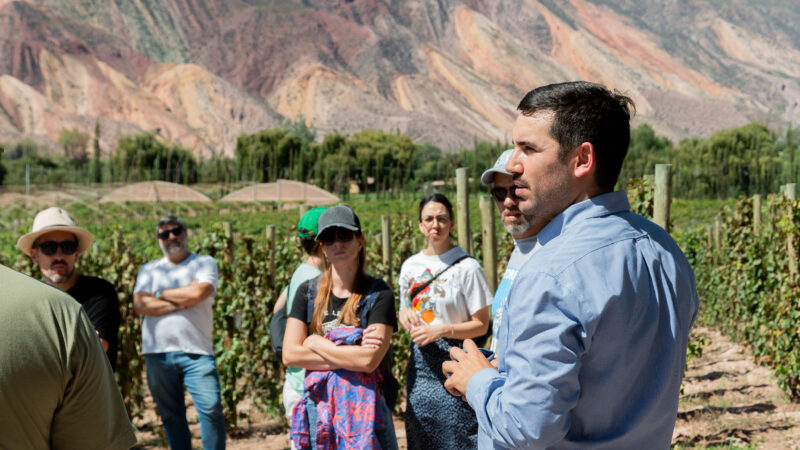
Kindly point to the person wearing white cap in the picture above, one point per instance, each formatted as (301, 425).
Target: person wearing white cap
(521, 227)
(55, 244)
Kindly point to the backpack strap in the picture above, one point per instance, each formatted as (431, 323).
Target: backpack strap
(311, 294)
(367, 303)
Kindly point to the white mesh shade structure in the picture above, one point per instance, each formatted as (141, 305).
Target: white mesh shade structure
(283, 191)
(154, 191)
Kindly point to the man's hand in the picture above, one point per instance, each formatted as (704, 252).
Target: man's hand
(465, 363)
(371, 337)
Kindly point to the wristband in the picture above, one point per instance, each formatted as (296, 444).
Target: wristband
(158, 294)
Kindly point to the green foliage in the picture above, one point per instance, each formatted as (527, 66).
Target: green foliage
(732, 162)
(144, 157)
(74, 143)
(645, 151)
(747, 288)
(640, 195)
(96, 166)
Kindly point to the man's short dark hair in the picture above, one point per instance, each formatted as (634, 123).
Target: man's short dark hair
(586, 112)
(166, 220)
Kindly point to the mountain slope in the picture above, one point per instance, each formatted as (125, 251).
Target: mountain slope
(443, 71)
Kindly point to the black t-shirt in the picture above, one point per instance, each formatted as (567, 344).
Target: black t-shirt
(382, 312)
(99, 299)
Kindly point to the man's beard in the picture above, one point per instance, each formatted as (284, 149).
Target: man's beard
(175, 248)
(58, 278)
(523, 224)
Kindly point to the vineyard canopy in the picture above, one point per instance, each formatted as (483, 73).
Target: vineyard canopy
(154, 191)
(283, 191)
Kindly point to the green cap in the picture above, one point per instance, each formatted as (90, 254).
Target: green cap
(307, 227)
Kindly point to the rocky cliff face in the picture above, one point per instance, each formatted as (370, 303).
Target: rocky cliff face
(443, 71)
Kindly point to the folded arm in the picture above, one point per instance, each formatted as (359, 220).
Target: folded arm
(298, 355)
(188, 296)
(146, 304)
(352, 357)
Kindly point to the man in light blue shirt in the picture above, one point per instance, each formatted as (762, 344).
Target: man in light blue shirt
(592, 344)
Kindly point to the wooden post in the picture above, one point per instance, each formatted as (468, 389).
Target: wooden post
(791, 252)
(756, 213)
(462, 187)
(717, 232)
(791, 191)
(386, 245)
(489, 242)
(271, 247)
(663, 197)
(304, 207)
(227, 254)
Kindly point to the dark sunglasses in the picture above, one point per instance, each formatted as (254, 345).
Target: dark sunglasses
(174, 231)
(500, 193)
(50, 248)
(341, 235)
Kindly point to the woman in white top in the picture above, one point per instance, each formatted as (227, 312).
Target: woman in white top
(439, 314)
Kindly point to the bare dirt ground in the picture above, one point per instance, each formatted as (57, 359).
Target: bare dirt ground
(261, 432)
(728, 402)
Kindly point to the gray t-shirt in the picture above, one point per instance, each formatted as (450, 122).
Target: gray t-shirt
(56, 385)
(523, 249)
(189, 330)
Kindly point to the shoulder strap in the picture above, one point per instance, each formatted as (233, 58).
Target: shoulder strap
(368, 302)
(414, 292)
(311, 294)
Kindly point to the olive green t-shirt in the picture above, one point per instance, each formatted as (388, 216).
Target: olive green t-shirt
(56, 385)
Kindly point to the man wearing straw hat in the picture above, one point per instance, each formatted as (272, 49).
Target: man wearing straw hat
(55, 244)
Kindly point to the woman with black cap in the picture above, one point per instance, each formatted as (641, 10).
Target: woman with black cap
(345, 401)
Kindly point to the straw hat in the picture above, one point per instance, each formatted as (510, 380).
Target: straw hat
(54, 219)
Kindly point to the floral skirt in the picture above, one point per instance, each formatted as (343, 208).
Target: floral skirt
(434, 418)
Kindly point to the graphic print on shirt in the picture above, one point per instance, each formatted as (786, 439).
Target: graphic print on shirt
(334, 322)
(425, 302)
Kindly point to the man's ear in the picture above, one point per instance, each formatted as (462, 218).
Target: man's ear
(585, 160)
(33, 255)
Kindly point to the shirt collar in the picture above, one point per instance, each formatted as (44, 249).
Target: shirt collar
(597, 206)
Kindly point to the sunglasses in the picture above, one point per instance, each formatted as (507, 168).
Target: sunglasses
(173, 231)
(341, 235)
(50, 248)
(500, 193)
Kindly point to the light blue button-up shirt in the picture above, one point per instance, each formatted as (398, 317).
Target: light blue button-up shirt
(592, 346)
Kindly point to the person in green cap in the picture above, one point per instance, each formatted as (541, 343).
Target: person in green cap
(308, 270)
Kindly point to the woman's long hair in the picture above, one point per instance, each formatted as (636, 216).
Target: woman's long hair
(349, 315)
